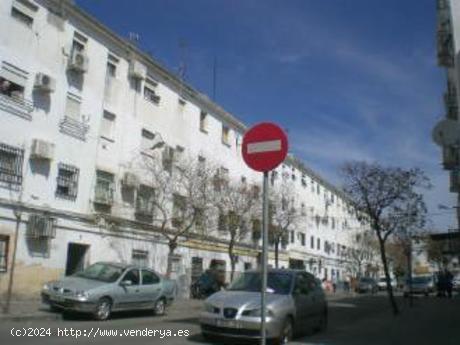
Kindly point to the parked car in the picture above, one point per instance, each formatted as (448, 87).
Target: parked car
(382, 283)
(208, 283)
(105, 287)
(295, 300)
(366, 284)
(420, 285)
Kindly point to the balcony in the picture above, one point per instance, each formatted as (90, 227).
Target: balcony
(450, 157)
(451, 104)
(74, 128)
(17, 106)
(454, 181)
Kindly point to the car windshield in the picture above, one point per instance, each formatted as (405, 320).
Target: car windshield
(103, 272)
(277, 282)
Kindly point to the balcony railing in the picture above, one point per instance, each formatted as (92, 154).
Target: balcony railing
(74, 127)
(451, 104)
(17, 106)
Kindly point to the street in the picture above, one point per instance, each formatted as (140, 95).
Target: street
(364, 319)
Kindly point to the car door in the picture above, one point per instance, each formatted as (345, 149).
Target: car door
(305, 300)
(150, 289)
(129, 290)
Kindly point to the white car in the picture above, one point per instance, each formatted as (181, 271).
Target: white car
(382, 283)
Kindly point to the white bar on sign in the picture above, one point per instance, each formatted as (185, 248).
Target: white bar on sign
(264, 146)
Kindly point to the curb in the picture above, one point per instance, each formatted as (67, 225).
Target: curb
(30, 317)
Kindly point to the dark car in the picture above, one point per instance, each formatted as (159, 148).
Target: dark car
(208, 283)
(367, 284)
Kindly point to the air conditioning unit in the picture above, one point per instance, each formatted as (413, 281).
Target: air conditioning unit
(78, 61)
(42, 149)
(44, 82)
(137, 70)
(40, 226)
(130, 179)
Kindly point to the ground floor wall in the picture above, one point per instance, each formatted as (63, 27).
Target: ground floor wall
(77, 243)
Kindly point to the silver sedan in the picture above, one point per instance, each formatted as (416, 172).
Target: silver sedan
(105, 287)
(295, 303)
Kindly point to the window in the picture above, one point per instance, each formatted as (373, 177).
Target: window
(12, 83)
(145, 201)
(67, 181)
(312, 242)
(112, 64)
(222, 222)
(247, 266)
(72, 107)
(78, 43)
(318, 189)
(11, 160)
(149, 278)
(147, 140)
(225, 135)
(318, 244)
(105, 187)
(107, 125)
(139, 257)
(179, 206)
(149, 91)
(133, 276)
(302, 240)
(204, 121)
(304, 181)
(333, 222)
(4, 242)
(24, 11)
(292, 236)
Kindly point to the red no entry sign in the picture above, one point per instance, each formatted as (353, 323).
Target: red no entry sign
(264, 147)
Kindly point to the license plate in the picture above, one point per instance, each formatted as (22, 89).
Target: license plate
(227, 323)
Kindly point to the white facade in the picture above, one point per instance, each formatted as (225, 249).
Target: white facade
(96, 120)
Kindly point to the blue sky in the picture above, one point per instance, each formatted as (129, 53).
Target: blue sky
(347, 79)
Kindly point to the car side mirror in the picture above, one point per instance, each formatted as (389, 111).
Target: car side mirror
(126, 283)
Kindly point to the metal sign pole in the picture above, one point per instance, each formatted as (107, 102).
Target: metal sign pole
(264, 258)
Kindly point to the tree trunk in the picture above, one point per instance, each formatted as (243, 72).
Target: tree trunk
(232, 258)
(172, 244)
(391, 297)
(277, 242)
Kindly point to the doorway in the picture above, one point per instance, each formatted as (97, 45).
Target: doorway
(76, 257)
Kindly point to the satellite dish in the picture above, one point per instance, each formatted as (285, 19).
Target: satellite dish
(446, 132)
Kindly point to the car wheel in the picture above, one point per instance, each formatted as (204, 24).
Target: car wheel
(103, 309)
(160, 307)
(287, 332)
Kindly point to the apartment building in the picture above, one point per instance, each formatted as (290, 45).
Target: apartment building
(78, 104)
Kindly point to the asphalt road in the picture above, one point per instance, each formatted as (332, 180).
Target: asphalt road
(360, 320)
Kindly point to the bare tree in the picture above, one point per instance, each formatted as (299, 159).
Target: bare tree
(178, 197)
(364, 248)
(238, 206)
(390, 198)
(284, 215)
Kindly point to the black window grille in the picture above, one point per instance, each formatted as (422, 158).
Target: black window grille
(4, 241)
(67, 181)
(11, 160)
